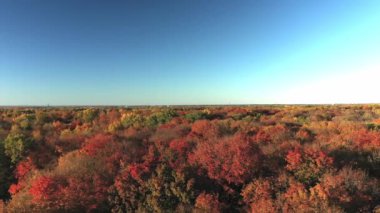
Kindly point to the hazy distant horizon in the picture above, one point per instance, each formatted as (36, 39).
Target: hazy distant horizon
(189, 52)
(181, 105)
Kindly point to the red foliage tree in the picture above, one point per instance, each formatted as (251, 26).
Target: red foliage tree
(271, 134)
(87, 193)
(47, 192)
(106, 149)
(308, 164)
(204, 128)
(23, 168)
(258, 195)
(208, 203)
(21, 171)
(234, 159)
(352, 189)
(366, 139)
(304, 135)
(96, 144)
(179, 150)
(296, 198)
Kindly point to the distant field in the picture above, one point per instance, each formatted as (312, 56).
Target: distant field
(239, 158)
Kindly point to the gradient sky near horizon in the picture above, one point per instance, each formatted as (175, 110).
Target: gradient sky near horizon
(189, 52)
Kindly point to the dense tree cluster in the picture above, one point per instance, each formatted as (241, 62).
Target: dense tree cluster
(190, 159)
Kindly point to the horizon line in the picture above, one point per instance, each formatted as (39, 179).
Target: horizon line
(180, 105)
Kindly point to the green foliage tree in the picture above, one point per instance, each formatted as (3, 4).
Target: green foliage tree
(161, 117)
(25, 121)
(5, 173)
(163, 191)
(167, 189)
(193, 116)
(16, 146)
(42, 117)
(88, 115)
(132, 120)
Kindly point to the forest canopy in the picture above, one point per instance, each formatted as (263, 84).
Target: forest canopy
(190, 159)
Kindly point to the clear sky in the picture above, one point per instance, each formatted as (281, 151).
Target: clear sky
(99, 52)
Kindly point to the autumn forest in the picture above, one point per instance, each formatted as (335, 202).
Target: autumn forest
(190, 159)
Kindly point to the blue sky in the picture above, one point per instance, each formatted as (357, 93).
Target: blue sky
(188, 52)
